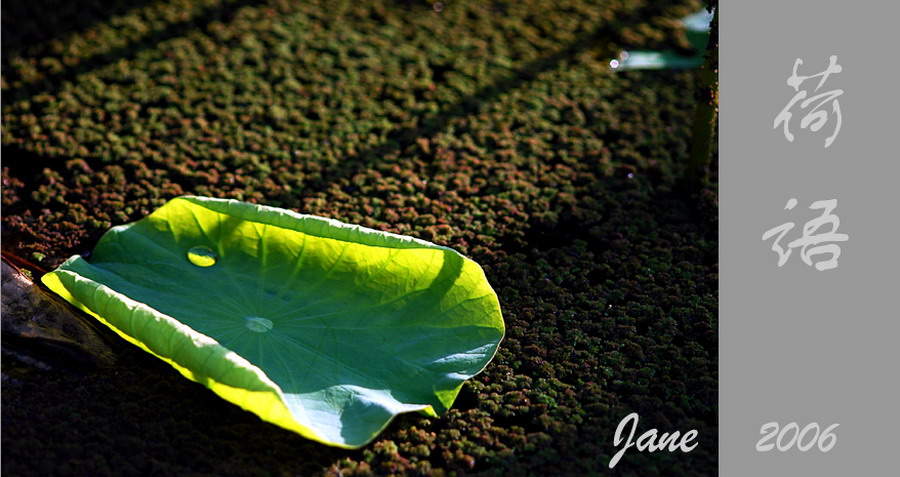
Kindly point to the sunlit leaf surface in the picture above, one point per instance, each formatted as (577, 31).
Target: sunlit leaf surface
(323, 328)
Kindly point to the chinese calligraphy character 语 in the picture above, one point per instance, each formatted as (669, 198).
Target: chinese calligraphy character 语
(815, 119)
(810, 241)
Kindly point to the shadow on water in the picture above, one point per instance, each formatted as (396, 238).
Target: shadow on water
(53, 82)
(27, 165)
(27, 24)
(431, 124)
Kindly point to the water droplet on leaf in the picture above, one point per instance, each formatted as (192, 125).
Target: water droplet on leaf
(259, 324)
(202, 256)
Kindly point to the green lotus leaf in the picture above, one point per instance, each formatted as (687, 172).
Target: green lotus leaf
(323, 328)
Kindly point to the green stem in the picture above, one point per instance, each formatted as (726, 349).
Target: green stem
(705, 114)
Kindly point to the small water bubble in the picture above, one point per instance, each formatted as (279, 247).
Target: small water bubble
(631, 175)
(259, 324)
(614, 63)
(202, 256)
(438, 6)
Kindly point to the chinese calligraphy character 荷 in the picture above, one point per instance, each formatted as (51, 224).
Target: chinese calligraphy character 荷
(815, 119)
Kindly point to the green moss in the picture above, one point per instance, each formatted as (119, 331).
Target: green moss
(496, 129)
